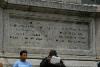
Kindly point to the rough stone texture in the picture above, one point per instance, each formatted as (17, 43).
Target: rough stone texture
(1, 30)
(55, 1)
(36, 33)
(24, 30)
(89, 1)
(68, 63)
(98, 8)
(98, 36)
(52, 4)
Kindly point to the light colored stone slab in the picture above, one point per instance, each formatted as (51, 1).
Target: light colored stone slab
(80, 63)
(68, 63)
(38, 33)
(1, 30)
(98, 37)
(56, 4)
(56, 1)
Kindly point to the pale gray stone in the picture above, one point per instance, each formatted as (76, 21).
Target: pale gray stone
(70, 63)
(1, 30)
(39, 32)
(98, 37)
(70, 5)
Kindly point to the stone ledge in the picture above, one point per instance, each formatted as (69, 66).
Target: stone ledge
(68, 63)
(27, 4)
(64, 57)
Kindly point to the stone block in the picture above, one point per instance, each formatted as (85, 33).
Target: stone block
(39, 32)
(72, 5)
(68, 63)
(1, 30)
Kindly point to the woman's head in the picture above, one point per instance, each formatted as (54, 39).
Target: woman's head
(52, 53)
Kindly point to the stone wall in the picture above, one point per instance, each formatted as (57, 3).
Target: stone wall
(1, 30)
(34, 31)
(55, 1)
(22, 28)
(68, 63)
(55, 4)
(72, 34)
(98, 36)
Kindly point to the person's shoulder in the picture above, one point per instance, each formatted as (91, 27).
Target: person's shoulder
(18, 61)
(45, 58)
(98, 63)
(29, 63)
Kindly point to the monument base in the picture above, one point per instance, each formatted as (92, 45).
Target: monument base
(36, 62)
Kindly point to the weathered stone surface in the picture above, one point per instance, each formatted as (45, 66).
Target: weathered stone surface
(80, 64)
(38, 33)
(53, 4)
(47, 34)
(98, 37)
(68, 63)
(73, 36)
(1, 30)
(55, 1)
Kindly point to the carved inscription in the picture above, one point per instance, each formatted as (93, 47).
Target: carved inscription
(36, 34)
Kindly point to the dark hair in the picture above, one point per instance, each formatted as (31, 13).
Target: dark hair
(52, 53)
(23, 51)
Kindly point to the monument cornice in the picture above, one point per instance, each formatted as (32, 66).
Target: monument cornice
(29, 4)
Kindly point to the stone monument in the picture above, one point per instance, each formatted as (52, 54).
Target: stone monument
(41, 25)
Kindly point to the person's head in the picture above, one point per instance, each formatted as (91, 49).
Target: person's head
(52, 53)
(23, 55)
